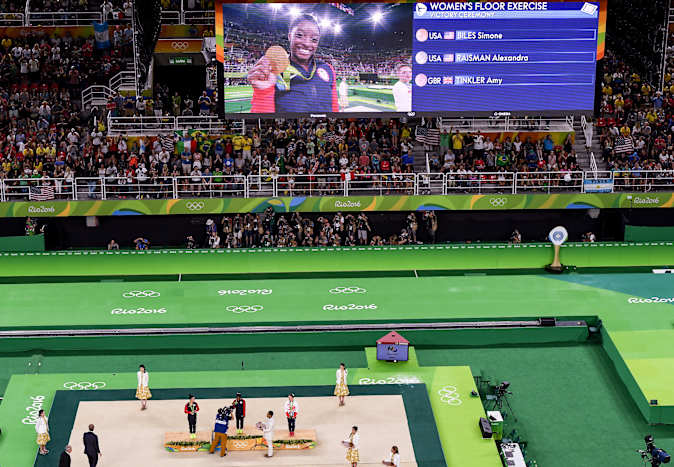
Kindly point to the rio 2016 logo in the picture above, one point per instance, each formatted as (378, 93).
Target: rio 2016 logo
(390, 380)
(138, 311)
(33, 410)
(349, 307)
(246, 292)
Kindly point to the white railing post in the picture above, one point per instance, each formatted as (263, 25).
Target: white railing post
(274, 187)
(174, 186)
(514, 183)
(74, 189)
(2, 191)
(103, 193)
(245, 187)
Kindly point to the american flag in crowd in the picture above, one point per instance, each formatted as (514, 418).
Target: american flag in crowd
(430, 136)
(41, 193)
(166, 143)
(623, 144)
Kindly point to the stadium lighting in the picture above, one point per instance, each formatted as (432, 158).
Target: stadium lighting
(337, 28)
(276, 6)
(324, 23)
(294, 12)
(376, 17)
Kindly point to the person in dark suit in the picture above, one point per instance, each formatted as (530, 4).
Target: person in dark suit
(64, 461)
(91, 448)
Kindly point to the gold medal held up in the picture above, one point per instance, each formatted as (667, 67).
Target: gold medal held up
(278, 58)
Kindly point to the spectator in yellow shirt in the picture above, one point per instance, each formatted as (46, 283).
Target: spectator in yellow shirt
(625, 130)
(237, 142)
(247, 146)
(457, 142)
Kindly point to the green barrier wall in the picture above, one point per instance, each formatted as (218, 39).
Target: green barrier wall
(295, 341)
(636, 233)
(22, 243)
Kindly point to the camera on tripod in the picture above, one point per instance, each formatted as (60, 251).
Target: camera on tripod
(501, 390)
(500, 397)
(652, 454)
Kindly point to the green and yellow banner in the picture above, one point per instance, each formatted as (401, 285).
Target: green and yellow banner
(148, 207)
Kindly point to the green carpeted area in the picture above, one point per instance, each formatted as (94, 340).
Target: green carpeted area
(634, 308)
(571, 406)
(330, 259)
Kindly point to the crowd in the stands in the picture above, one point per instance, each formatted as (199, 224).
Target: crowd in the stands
(46, 133)
(635, 121)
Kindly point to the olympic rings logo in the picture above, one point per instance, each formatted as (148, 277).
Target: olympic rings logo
(140, 293)
(449, 396)
(238, 444)
(347, 290)
(194, 205)
(182, 45)
(85, 385)
(498, 202)
(244, 308)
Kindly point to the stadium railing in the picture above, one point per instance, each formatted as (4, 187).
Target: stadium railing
(643, 180)
(96, 95)
(144, 126)
(310, 185)
(482, 182)
(20, 189)
(63, 18)
(141, 126)
(549, 182)
(199, 17)
(171, 17)
(12, 19)
(253, 186)
(429, 183)
(124, 78)
(507, 124)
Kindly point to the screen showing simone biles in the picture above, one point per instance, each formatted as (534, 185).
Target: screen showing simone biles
(429, 58)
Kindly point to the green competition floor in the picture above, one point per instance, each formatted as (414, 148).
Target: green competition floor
(417, 258)
(459, 434)
(640, 329)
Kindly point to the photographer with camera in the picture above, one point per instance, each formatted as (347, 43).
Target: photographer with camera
(220, 430)
(652, 454)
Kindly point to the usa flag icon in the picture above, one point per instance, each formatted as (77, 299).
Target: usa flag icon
(448, 58)
(449, 35)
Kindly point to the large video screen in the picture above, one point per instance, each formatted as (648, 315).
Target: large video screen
(449, 58)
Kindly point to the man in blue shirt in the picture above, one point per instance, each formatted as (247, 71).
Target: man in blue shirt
(220, 431)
